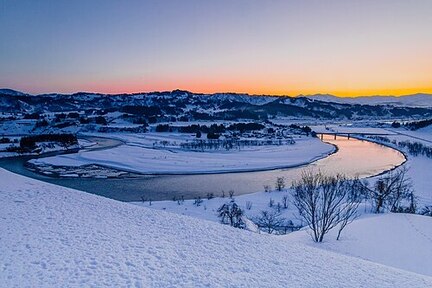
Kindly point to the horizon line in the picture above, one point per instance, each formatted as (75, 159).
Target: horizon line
(214, 93)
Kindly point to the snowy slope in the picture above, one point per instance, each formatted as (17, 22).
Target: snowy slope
(399, 240)
(53, 236)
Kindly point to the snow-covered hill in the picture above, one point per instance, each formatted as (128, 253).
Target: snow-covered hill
(53, 236)
(218, 106)
(11, 92)
(413, 100)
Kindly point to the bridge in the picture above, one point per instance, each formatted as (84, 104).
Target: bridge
(348, 134)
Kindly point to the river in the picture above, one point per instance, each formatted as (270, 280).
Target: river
(353, 158)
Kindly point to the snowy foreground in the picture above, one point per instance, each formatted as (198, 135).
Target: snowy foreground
(139, 155)
(399, 240)
(53, 236)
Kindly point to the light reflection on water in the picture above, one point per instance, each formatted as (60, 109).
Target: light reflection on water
(354, 158)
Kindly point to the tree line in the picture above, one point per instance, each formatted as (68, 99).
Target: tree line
(29, 142)
(214, 128)
(413, 148)
(414, 125)
(229, 144)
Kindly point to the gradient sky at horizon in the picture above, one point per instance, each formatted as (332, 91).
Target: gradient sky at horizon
(344, 48)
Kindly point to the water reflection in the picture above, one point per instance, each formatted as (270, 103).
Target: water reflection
(354, 158)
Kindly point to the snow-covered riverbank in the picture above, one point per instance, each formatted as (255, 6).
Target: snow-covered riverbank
(139, 155)
(418, 166)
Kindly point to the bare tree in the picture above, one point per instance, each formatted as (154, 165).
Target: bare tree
(391, 189)
(347, 215)
(285, 201)
(412, 200)
(324, 202)
(269, 220)
(231, 194)
(280, 183)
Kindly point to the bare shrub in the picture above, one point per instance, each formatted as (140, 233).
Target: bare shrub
(271, 203)
(198, 201)
(280, 183)
(248, 205)
(144, 200)
(285, 201)
(278, 207)
(269, 221)
(231, 214)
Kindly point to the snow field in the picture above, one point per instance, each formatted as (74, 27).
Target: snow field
(53, 236)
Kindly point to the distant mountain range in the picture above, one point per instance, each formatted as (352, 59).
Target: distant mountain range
(221, 106)
(413, 100)
(11, 92)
